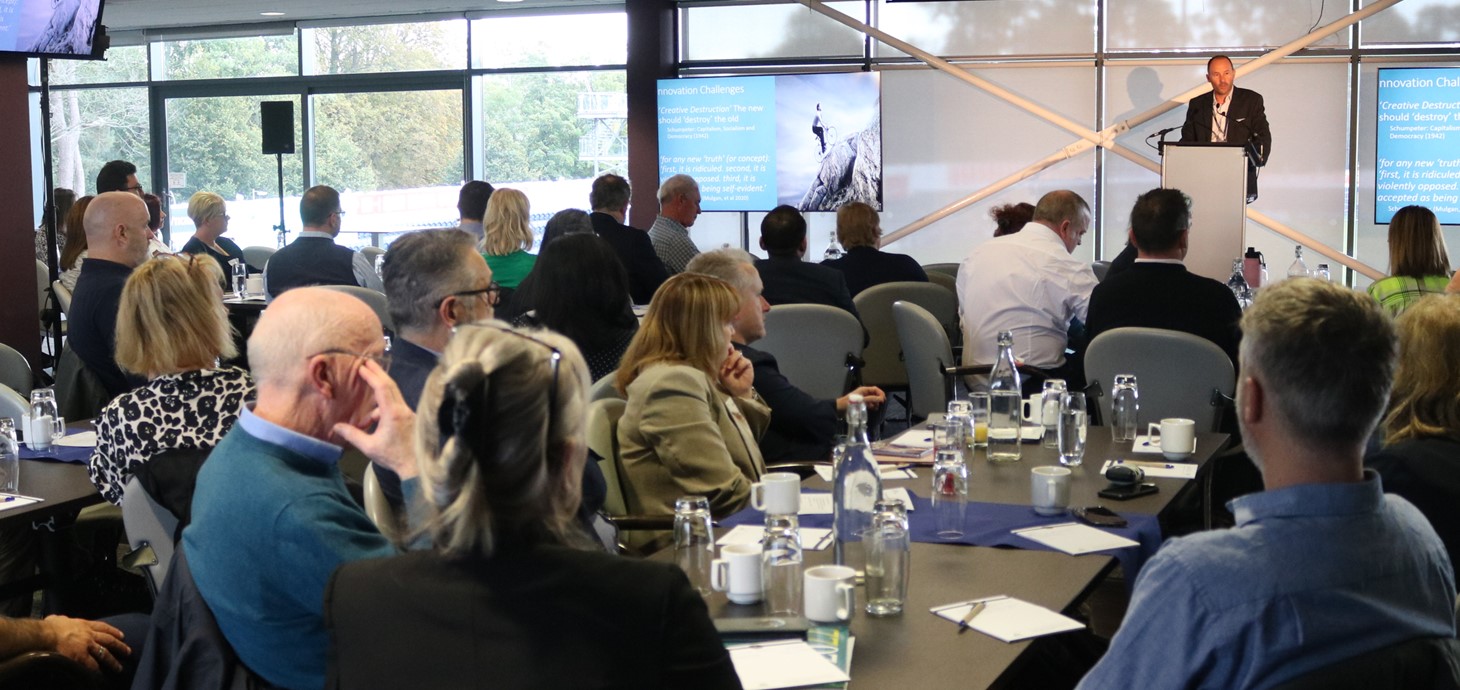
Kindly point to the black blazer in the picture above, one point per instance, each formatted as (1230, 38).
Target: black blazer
(1168, 296)
(544, 617)
(789, 280)
(646, 271)
(1422, 471)
(1246, 123)
(802, 427)
(864, 267)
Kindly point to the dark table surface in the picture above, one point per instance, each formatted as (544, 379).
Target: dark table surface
(65, 488)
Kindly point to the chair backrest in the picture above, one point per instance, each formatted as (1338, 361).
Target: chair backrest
(42, 279)
(945, 269)
(371, 252)
(374, 298)
(1176, 373)
(149, 524)
(1100, 268)
(15, 371)
(945, 280)
(63, 296)
(1426, 663)
(926, 352)
(13, 405)
(79, 393)
(257, 256)
(603, 389)
(603, 416)
(378, 507)
(811, 343)
(884, 355)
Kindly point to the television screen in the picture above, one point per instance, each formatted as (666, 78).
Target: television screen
(813, 141)
(49, 28)
(1417, 161)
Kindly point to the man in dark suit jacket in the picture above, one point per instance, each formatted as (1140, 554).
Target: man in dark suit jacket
(1230, 114)
(1157, 291)
(610, 201)
(117, 237)
(788, 279)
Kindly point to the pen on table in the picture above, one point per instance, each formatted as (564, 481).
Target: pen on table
(1143, 463)
(968, 618)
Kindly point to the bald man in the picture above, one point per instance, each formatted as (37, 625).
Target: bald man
(271, 516)
(116, 241)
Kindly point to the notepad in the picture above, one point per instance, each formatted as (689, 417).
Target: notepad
(79, 439)
(1168, 470)
(885, 471)
(782, 664)
(1009, 619)
(12, 501)
(1074, 538)
(812, 538)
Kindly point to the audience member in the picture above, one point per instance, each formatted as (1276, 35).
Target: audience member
(313, 258)
(801, 427)
(1029, 283)
(610, 202)
(172, 328)
(1418, 262)
(565, 222)
(97, 645)
(155, 217)
(508, 237)
(54, 214)
(580, 290)
(1011, 218)
(471, 204)
(1422, 430)
(75, 252)
(118, 176)
(116, 239)
(272, 518)
(693, 417)
(435, 281)
(679, 205)
(210, 220)
(502, 448)
(787, 278)
(1322, 565)
(1157, 291)
(860, 230)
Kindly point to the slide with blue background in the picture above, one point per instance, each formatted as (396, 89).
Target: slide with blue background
(1417, 161)
(722, 132)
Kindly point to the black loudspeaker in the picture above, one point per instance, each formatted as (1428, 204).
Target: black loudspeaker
(277, 118)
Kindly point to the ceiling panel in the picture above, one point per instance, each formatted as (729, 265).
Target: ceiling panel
(131, 15)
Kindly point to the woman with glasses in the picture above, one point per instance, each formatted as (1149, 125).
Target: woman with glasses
(511, 594)
(692, 421)
(508, 228)
(210, 220)
(1418, 262)
(172, 328)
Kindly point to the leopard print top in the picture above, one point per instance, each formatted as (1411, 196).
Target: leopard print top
(193, 409)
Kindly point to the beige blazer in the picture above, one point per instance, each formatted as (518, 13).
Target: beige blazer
(681, 435)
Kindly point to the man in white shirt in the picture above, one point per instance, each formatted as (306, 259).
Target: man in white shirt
(1028, 283)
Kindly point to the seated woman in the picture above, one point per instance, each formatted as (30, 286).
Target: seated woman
(1420, 459)
(860, 230)
(172, 328)
(1418, 263)
(512, 595)
(579, 288)
(210, 220)
(75, 245)
(155, 217)
(693, 420)
(508, 228)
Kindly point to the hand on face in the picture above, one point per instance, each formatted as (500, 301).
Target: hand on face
(736, 374)
(392, 443)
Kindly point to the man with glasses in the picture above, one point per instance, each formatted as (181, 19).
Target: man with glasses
(117, 239)
(272, 518)
(118, 176)
(313, 258)
(435, 280)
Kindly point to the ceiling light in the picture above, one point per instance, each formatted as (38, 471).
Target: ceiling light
(272, 14)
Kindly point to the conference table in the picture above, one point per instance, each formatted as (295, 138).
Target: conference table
(921, 650)
(65, 489)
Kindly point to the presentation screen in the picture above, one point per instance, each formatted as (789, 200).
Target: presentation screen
(813, 141)
(1417, 162)
(49, 28)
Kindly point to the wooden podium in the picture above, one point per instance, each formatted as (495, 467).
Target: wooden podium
(1214, 175)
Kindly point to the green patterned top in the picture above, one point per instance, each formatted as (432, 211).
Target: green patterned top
(1397, 293)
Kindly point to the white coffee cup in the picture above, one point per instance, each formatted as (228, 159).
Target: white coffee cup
(830, 592)
(1034, 410)
(255, 284)
(737, 573)
(777, 493)
(40, 431)
(1177, 437)
(1049, 489)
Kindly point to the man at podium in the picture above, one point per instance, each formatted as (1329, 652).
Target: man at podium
(1232, 115)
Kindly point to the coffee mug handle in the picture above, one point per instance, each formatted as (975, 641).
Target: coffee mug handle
(720, 575)
(757, 496)
(1153, 432)
(846, 600)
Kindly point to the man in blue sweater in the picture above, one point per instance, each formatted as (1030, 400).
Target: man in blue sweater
(271, 516)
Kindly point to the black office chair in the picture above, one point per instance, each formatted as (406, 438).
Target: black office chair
(1426, 663)
(47, 670)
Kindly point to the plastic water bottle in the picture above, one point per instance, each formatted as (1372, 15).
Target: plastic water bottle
(1238, 285)
(833, 249)
(1125, 409)
(856, 487)
(1322, 273)
(1006, 404)
(780, 566)
(694, 540)
(1298, 269)
(888, 545)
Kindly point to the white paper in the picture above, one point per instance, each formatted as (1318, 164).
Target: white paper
(1168, 470)
(885, 471)
(783, 664)
(812, 538)
(913, 438)
(1009, 619)
(77, 439)
(1152, 444)
(815, 504)
(11, 501)
(1074, 538)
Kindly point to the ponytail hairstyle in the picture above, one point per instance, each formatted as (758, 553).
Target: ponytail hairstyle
(499, 438)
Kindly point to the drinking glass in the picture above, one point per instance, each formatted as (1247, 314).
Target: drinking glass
(1072, 427)
(780, 566)
(948, 434)
(950, 494)
(694, 540)
(1049, 409)
(240, 279)
(9, 457)
(46, 423)
(979, 402)
(1125, 407)
(887, 544)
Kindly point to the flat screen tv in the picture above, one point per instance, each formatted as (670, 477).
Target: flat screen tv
(50, 28)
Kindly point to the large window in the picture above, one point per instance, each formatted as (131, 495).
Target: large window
(257, 56)
(385, 48)
(92, 126)
(568, 40)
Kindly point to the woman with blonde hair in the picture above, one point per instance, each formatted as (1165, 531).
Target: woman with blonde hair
(210, 221)
(500, 446)
(693, 419)
(508, 227)
(1418, 262)
(1420, 459)
(172, 328)
(75, 245)
(860, 230)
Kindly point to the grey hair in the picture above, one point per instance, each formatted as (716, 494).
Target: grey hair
(1325, 355)
(677, 185)
(724, 263)
(496, 464)
(421, 268)
(1061, 205)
